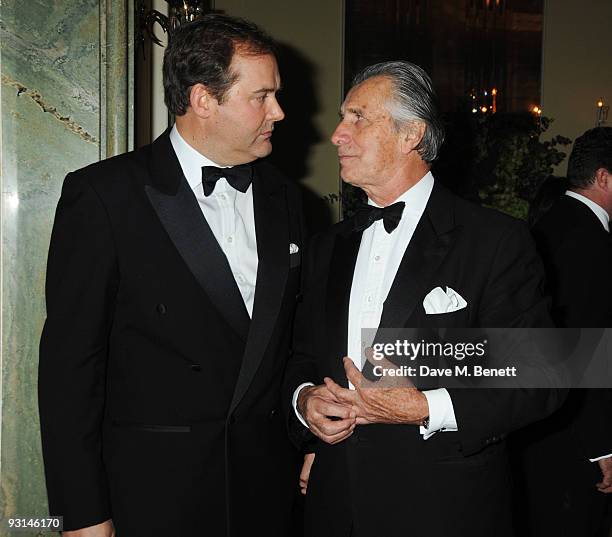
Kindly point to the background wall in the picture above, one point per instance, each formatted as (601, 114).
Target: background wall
(313, 33)
(56, 60)
(576, 68)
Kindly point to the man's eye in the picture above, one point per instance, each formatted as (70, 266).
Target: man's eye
(262, 98)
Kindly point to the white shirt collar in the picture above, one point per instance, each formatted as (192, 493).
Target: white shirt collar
(416, 197)
(190, 159)
(599, 211)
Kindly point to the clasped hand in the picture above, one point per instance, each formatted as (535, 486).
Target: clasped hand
(332, 412)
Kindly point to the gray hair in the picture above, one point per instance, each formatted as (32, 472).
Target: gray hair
(413, 99)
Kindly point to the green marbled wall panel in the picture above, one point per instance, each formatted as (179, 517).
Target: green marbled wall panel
(50, 113)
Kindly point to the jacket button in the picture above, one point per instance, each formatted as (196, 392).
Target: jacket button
(161, 309)
(196, 367)
(272, 413)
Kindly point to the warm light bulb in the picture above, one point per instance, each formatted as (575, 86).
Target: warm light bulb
(600, 104)
(494, 91)
(474, 110)
(483, 109)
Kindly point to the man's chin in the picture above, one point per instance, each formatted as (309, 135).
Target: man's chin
(345, 175)
(256, 153)
(264, 149)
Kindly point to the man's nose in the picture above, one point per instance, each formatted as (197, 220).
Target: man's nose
(276, 112)
(340, 136)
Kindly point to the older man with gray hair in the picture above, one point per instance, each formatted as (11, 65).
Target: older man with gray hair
(406, 460)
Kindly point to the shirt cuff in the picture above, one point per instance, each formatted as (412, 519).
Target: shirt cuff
(441, 413)
(599, 458)
(296, 393)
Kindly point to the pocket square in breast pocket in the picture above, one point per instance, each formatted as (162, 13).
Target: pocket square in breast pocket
(437, 301)
(294, 255)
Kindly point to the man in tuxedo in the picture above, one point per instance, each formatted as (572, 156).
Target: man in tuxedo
(172, 280)
(399, 461)
(567, 460)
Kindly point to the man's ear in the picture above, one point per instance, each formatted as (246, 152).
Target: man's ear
(411, 136)
(201, 101)
(603, 179)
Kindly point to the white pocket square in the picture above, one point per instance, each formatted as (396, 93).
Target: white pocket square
(437, 301)
(294, 248)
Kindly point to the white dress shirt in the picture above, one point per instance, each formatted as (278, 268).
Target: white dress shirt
(599, 211)
(380, 254)
(229, 214)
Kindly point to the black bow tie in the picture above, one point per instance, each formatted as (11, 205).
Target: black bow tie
(390, 215)
(239, 177)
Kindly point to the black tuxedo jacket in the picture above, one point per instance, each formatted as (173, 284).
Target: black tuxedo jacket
(558, 495)
(158, 395)
(577, 255)
(386, 479)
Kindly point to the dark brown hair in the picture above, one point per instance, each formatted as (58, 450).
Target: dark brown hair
(202, 51)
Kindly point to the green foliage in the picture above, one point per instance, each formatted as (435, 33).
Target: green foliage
(351, 197)
(511, 161)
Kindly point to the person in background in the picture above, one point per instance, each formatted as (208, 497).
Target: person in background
(565, 462)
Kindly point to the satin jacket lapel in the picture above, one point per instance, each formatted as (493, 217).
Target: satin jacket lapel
(428, 247)
(342, 268)
(272, 231)
(179, 212)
